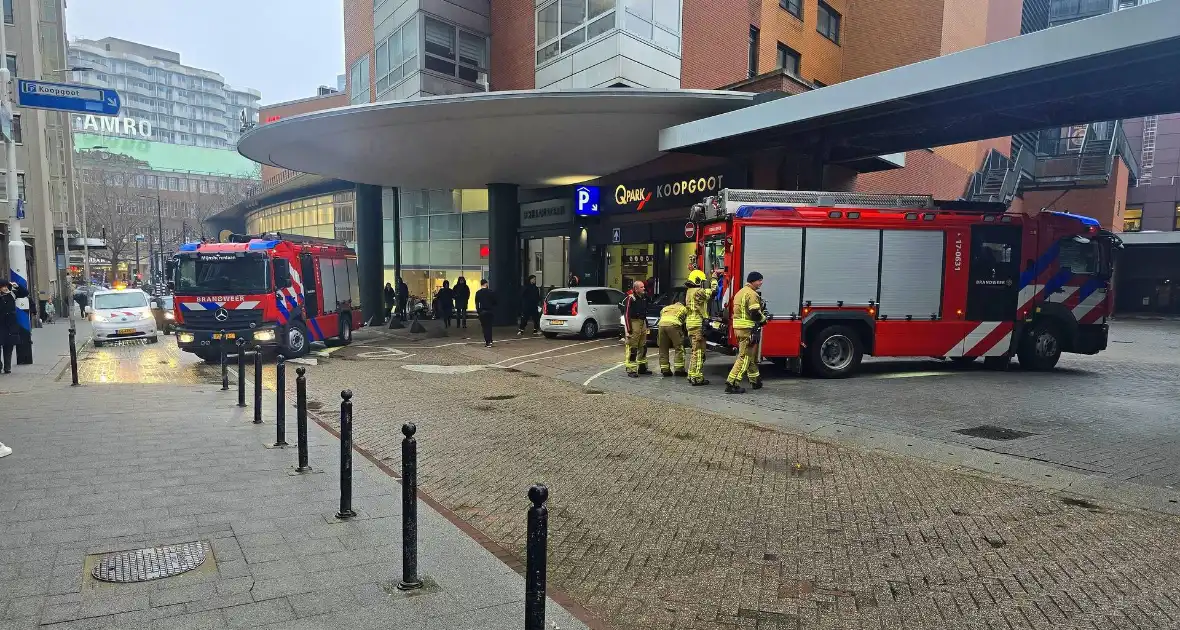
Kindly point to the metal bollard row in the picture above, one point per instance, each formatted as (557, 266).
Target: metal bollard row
(73, 354)
(410, 579)
(281, 403)
(257, 385)
(224, 367)
(536, 544)
(301, 418)
(241, 372)
(346, 510)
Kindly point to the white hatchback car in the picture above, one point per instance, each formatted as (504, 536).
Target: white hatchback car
(584, 311)
(122, 314)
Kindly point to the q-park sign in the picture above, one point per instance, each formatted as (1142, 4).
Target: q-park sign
(68, 97)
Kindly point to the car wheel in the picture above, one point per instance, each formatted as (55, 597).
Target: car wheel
(296, 344)
(549, 335)
(1040, 348)
(835, 352)
(590, 329)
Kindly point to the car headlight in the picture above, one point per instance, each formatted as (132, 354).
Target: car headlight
(97, 317)
(169, 315)
(186, 338)
(264, 335)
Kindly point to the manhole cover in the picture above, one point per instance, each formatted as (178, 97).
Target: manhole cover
(989, 432)
(141, 565)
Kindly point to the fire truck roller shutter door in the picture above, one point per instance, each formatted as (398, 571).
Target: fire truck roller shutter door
(776, 253)
(911, 273)
(841, 266)
(328, 285)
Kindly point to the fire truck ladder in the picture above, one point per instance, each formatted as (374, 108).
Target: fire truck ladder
(732, 199)
(291, 238)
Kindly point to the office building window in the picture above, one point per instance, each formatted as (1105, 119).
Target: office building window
(788, 59)
(11, 59)
(794, 7)
(1133, 219)
(16, 132)
(1176, 224)
(753, 52)
(454, 51)
(359, 82)
(397, 56)
(20, 185)
(8, 18)
(657, 21)
(565, 24)
(828, 22)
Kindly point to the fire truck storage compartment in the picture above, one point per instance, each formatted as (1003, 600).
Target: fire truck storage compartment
(776, 254)
(841, 266)
(340, 283)
(911, 274)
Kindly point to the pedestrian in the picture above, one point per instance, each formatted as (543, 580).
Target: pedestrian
(574, 280)
(82, 299)
(485, 308)
(390, 299)
(462, 298)
(697, 300)
(635, 325)
(671, 339)
(445, 303)
(403, 295)
(10, 328)
(747, 318)
(530, 306)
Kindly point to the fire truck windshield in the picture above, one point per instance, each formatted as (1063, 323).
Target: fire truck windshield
(199, 274)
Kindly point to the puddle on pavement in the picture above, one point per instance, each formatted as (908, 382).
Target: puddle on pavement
(315, 405)
(794, 469)
(1082, 503)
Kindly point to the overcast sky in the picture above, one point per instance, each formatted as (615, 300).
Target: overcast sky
(283, 48)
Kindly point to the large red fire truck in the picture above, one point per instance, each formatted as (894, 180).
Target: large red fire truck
(273, 290)
(850, 274)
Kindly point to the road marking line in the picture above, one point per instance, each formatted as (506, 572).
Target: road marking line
(915, 374)
(613, 367)
(525, 356)
(557, 356)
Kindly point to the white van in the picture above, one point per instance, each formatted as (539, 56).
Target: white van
(121, 314)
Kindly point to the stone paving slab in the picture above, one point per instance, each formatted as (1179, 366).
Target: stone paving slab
(111, 467)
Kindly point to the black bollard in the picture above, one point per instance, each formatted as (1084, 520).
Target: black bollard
(301, 418)
(410, 579)
(281, 403)
(535, 549)
(346, 510)
(257, 385)
(224, 367)
(241, 372)
(73, 355)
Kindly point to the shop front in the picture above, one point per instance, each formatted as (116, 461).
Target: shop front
(644, 233)
(545, 232)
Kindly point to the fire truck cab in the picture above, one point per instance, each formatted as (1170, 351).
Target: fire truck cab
(275, 290)
(851, 274)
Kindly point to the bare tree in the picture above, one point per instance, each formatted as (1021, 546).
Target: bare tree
(115, 211)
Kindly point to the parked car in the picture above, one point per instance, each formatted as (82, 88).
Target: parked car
(584, 311)
(162, 309)
(121, 314)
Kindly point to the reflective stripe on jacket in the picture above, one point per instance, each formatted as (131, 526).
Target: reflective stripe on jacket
(745, 301)
(673, 314)
(697, 301)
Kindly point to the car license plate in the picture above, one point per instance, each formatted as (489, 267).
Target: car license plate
(126, 331)
(227, 335)
(557, 322)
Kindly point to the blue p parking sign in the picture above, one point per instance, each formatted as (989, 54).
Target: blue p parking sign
(587, 201)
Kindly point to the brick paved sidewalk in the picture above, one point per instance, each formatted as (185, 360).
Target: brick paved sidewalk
(668, 517)
(105, 468)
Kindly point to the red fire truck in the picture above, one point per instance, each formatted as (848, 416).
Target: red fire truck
(850, 274)
(274, 290)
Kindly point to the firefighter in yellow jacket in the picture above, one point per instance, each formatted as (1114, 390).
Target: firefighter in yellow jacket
(671, 338)
(747, 317)
(697, 301)
(635, 326)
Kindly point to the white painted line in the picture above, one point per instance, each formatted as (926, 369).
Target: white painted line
(613, 367)
(557, 356)
(915, 374)
(525, 356)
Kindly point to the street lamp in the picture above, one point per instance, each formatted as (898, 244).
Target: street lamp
(160, 235)
(65, 241)
(85, 236)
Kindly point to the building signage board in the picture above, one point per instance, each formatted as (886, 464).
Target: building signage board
(670, 191)
(67, 97)
(587, 201)
(551, 212)
(134, 127)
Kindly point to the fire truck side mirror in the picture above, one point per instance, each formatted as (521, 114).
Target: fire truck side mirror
(282, 273)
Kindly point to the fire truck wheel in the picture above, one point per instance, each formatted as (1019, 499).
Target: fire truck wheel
(295, 345)
(835, 352)
(1040, 349)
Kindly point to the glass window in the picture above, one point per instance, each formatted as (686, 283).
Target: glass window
(11, 59)
(1133, 219)
(415, 229)
(8, 18)
(752, 62)
(359, 91)
(794, 7)
(446, 253)
(416, 253)
(828, 22)
(597, 297)
(440, 39)
(573, 13)
(547, 23)
(446, 226)
(667, 15)
(474, 254)
(475, 225)
(788, 59)
(562, 24)
(1176, 225)
(471, 200)
(600, 26)
(1078, 257)
(16, 131)
(472, 50)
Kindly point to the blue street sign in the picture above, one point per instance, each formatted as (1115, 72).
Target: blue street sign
(587, 200)
(68, 97)
(20, 209)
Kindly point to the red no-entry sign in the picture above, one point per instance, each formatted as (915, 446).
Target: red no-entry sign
(690, 230)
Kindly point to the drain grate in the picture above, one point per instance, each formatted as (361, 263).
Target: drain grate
(142, 565)
(990, 432)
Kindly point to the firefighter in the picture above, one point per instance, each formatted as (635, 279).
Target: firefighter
(747, 318)
(635, 325)
(671, 337)
(697, 302)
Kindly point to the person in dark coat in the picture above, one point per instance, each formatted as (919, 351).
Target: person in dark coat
(10, 328)
(445, 303)
(462, 298)
(390, 299)
(403, 296)
(530, 306)
(485, 309)
(82, 299)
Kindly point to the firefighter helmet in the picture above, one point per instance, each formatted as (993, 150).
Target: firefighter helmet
(696, 276)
